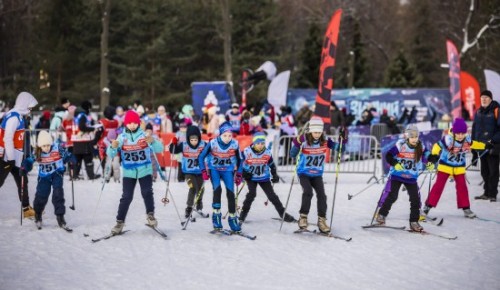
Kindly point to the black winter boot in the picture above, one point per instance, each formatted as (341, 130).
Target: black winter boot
(60, 221)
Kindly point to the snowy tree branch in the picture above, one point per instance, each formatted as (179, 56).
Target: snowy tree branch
(466, 44)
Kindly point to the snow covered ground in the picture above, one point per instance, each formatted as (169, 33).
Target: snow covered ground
(194, 259)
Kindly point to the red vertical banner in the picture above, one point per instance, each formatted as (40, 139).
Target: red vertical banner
(454, 74)
(469, 89)
(326, 67)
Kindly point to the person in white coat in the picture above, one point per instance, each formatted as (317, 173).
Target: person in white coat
(12, 146)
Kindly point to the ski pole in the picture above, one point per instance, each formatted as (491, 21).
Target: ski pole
(72, 207)
(336, 179)
(479, 157)
(106, 171)
(196, 198)
(379, 200)
(22, 193)
(165, 199)
(287, 200)
(293, 179)
(350, 196)
(236, 199)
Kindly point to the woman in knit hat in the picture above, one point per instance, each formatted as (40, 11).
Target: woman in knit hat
(259, 169)
(223, 159)
(311, 149)
(135, 148)
(51, 158)
(452, 150)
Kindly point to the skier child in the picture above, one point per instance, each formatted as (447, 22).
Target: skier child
(258, 166)
(51, 158)
(134, 148)
(405, 158)
(190, 150)
(451, 151)
(223, 159)
(311, 149)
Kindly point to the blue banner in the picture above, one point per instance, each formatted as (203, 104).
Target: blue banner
(354, 145)
(217, 93)
(428, 138)
(431, 104)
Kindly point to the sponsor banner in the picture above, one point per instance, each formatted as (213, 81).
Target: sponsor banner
(431, 104)
(217, 93)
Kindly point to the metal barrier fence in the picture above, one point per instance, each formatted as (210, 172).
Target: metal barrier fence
(359, 156)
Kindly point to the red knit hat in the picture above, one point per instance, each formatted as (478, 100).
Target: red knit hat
(131, 117)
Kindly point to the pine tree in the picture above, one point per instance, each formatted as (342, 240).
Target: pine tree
(360, 63)
(308, 76)
(401, 73)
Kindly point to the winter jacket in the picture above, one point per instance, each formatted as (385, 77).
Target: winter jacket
(12, 128)
(486, 125)
(135, 137)
(452, 153)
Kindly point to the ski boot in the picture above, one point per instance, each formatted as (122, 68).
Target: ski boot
(424, 213)
(303, 221)
(217, 219)
(469, 213)
(416, 227)
(380, 219)
(322, 226)
(243, 216)
(233, 223)
(289, 218)
(28, 212)
(152, 222)
(117, 229)
(60, 221)
(38, 220)
(188, 211)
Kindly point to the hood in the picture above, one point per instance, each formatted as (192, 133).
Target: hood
(193, 130)
(23, 102)
(86, 106)
(109, 112)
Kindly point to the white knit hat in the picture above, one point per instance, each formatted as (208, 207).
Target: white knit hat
(411, 131)
(44, 138)
(316, 125)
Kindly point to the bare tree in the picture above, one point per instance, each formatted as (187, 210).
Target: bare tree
(493, 22)
(226, 37)
(104, 79)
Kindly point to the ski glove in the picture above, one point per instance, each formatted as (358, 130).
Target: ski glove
(343, 135)
(275, 178)
(398, 167)
(430, 166)
(238, 178)
(247, 175)
(27, 165)
(489, 145)
(205, 175)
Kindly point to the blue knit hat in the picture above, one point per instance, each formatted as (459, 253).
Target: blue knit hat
(225, 127)
(258, 137)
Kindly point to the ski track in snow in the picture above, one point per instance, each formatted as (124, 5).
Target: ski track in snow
(193, 259)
